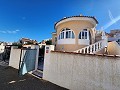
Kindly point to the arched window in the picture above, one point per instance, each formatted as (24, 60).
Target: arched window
(66, 34)
(84, 34)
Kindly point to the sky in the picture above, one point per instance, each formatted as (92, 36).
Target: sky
(35, 19)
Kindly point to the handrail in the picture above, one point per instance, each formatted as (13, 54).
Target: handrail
(93, 48)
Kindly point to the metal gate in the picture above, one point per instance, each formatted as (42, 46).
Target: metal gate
(27, 61)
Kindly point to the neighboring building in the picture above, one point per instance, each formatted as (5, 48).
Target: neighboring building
(41, 44)
(78, 32)
(45, 42)
(2, 47)
(9, 43)
(27, 41)
(5, 51)
(115, 31)
(114, 35)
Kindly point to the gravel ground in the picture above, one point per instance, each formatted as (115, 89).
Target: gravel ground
(10, 80)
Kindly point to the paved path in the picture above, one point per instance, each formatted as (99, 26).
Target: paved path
(9, 80)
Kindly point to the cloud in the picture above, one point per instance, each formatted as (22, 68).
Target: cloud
(10, 31)
(113, 20)
(2, 31)
(110, 15)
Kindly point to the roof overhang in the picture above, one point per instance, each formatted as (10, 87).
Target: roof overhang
(77, 18)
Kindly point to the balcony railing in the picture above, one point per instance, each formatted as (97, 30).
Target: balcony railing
(93, 48)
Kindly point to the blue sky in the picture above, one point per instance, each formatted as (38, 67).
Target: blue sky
(35, 19)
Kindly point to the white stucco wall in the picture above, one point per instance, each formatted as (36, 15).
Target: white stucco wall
(82, 72)
(66, 41)
(14, 57)
(83, 42)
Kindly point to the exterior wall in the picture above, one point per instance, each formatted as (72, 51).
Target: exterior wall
(14, 57)
(83, 42)
(98, 38)
(113, 48)
(66, 41)
(77, 27)
(82, 72)
(69, 47)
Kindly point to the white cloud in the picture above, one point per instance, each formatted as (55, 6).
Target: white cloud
(10, 31)
(110, 15)
(112, 20)
(17, 30)
(2, 31)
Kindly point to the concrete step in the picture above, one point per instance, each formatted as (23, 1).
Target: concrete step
(38, 73)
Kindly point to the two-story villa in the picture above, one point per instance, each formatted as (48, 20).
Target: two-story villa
(79, 34)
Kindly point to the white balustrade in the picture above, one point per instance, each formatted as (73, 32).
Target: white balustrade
(93, 48)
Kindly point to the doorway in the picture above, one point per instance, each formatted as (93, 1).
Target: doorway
(40, 67)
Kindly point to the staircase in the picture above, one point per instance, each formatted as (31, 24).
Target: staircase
(93, 48)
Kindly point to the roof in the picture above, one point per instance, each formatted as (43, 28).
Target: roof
(77, 16)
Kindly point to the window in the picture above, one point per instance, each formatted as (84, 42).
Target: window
(83, 34)
(69, 34)
(73, 36)
(66, 33)
(63, 35)
(59, 37)
(80, 35)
